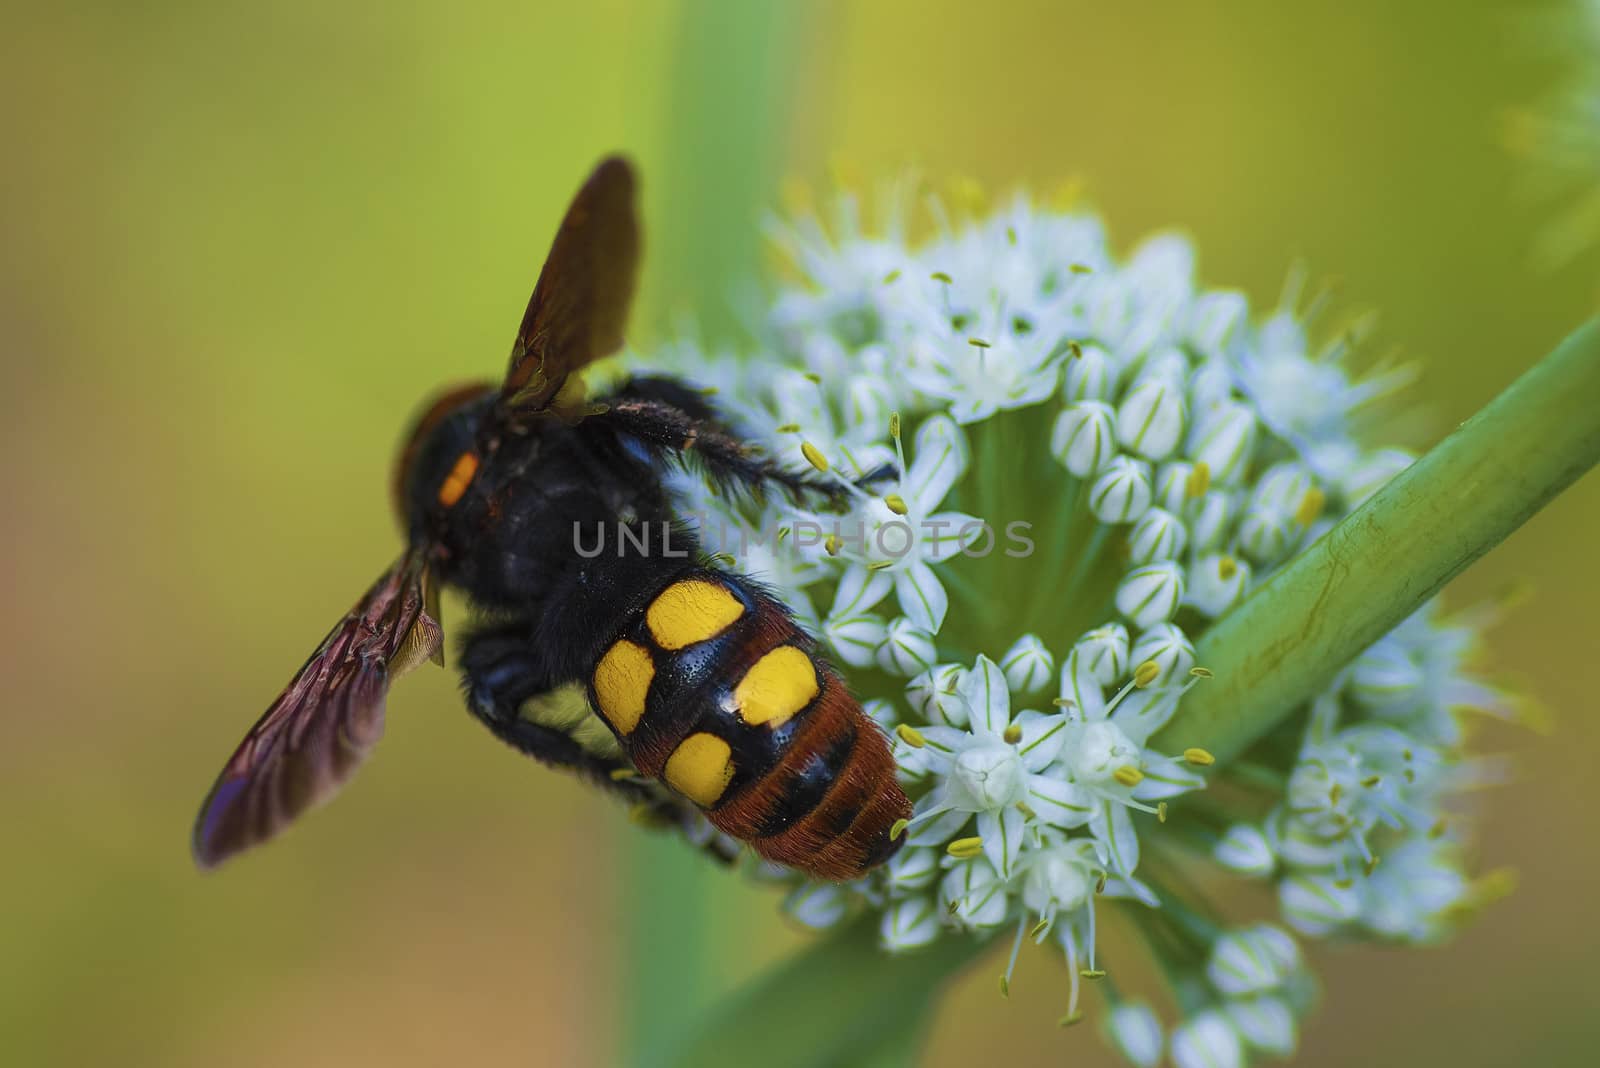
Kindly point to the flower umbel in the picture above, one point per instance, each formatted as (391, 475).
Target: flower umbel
(1093, 460)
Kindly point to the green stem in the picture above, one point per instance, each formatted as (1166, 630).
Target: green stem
(1289, 638)
(726, 117)
(842, 1003)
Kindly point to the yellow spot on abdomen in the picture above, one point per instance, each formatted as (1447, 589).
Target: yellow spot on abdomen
(460, 477)
(691, 611)
(621, 683)
(776, 687)
(700, 768)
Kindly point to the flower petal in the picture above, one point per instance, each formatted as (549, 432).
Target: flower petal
(922, 597)
(1002, 838)
(987, 695)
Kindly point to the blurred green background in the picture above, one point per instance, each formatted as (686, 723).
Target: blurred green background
(239, 241)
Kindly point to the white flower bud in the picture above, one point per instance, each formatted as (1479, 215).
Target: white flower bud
(1281, 488)
(1253, 960)
(1316, 905)
(817, 905)
(1245, 850)
(1089, 376)
(1103, 653)
(985, 777)
(1215, 319)
(1028, 665)
(1207, 1040)
(1386, 680)
(1167, 647)
(910, 923)
(913, 868)
(1216, 582)
(1133, 1028)
(973, 893)
(1265, 1023)
(1223, 440)
(1122, 492)
(1211, 521)
(1084, 437)
(1167, 364)
(1371, 473)
(855, 639)
(1102, 748)
(935, 694)
(1151, 594)
(1210, 387)
(1265, 536)
(906, 649)
(1151, 416)
(1060, 879)
(1172, 485)
(1158, 535)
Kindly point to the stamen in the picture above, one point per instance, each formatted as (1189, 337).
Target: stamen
(1128, 775)
(1311, 506)
(1146, 673)
(1012, 734)
(1371, 780)
(789, 428)
(965, 848)
(1199, 481)
(814, 456)
(1227, 567)
(1080, 268)
(879, 565)
(1200, 757)
(1076, 350)
(1161, 811)
(911, 736)
(940, 276)
(1011, 965)
(896, 503)
(832, 544)
(897, 828)
(1201, 673)
(979, 343)
(892, 277)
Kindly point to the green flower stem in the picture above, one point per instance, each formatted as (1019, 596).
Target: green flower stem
(843, 1003)
(1289, 638)
(683, 917)
(834, 1003)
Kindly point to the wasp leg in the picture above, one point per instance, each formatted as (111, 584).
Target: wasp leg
(671, 433)
(501, 672)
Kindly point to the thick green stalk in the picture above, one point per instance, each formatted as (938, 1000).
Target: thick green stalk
(1288, 639)
(726, 113)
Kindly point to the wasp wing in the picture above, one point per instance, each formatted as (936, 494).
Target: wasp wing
(580, 304)
(328, 718)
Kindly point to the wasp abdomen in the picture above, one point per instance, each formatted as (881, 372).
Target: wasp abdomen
(714, 689)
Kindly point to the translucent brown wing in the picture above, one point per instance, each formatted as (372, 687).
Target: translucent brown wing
(326, 721)
(580, 305)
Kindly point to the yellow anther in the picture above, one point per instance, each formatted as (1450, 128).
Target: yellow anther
(896, 504)
(812, 376)
(1027, 810)
(1092, 973)
(1076, 350)
(1371, 780)
(940, 276)
(1335, 792)
(1311, 506)
(911, 736)
(1063, 702)
(1199, 481)
(1146, 673)
(892, 277)
(894, 424)
(1080, 268)
(1012, 734)
(965, 848)
(880, 565)
(1070, 1019)
(979, 343)
(813, 456)
(1201, 673)
(1100, 884)
(1372, 865)
(789, 428)
(832, 544)
(1039, 928)
(897, 828)
(1227, 567)
(1128, 775)
(1005, 987)
(1161, 811)
(1201, 757)
(1011, 235)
